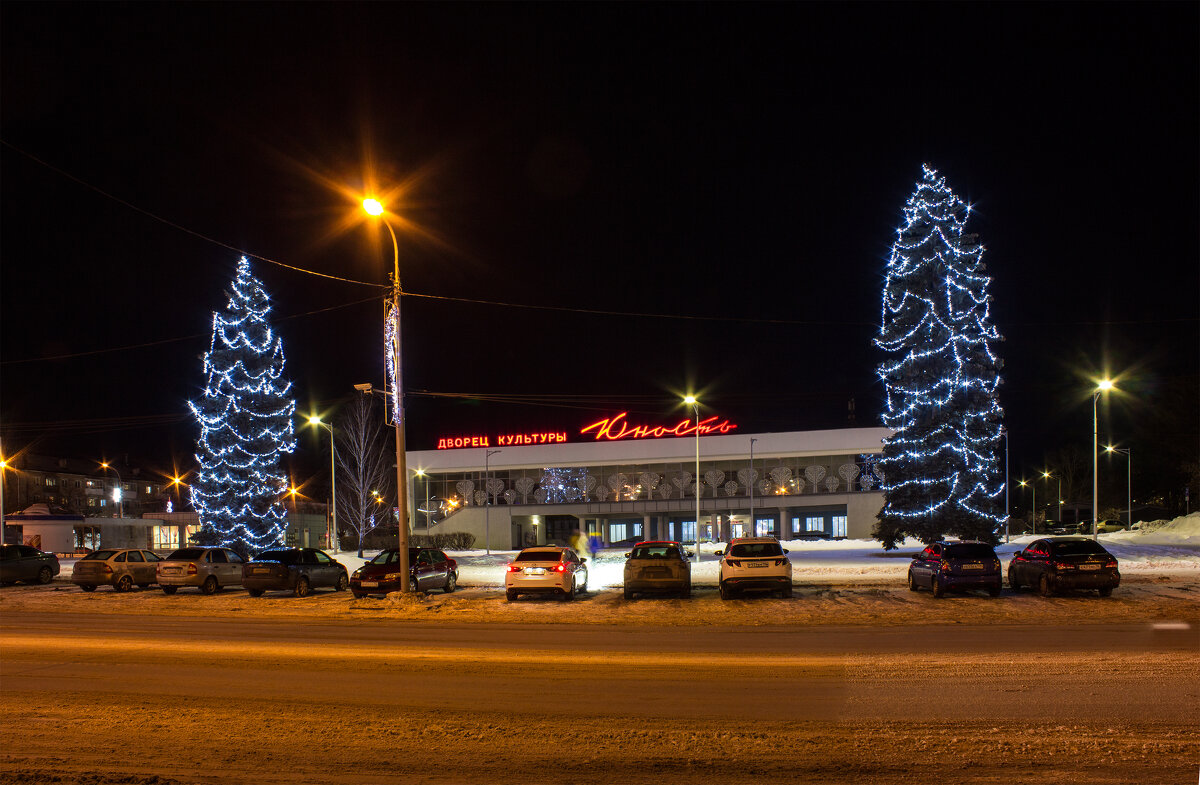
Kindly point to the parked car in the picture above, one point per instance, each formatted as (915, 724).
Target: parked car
(1058, 563)
(1061, 527)
(957, 565)
(120, 568)
(209, 569)
(26, 563)
(1105, 527)
(429, 569)
(298, 570)
(754, 564)
(546, 570)
(658, 567)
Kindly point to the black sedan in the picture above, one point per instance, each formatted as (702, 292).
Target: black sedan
(26, 563)
(298, 570)
(956, 565)
(1056, 563)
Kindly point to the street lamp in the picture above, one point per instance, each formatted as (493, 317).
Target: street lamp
(1007, 507)
(1128, 453)
(331, 535)
(392, 328)
(695, 404)
(487, 502)
(1048, 476)
(1033, 515)
(1104, 386)
(120, 488)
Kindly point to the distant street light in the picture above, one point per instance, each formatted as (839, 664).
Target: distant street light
(1033, 515)
(331, 537)
(1104, 386)
(1128, 453)
(119, 493)
(1048, 476)
(695, 404)
(375, 208)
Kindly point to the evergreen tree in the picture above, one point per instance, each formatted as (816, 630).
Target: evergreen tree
(245, 417)
(940, 469)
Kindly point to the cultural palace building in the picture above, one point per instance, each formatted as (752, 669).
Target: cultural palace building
(622, 481)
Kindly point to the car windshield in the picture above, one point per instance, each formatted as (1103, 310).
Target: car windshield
(539, 556)
(186, 554)
(99, 556)
(655, 552)
(285, 557)
(386, 557)
(750, 550)
(970, 550)
(1077, 548)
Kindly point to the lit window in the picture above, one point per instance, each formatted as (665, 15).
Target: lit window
(814, 524)
(51, 482)
(689, 531)
(839, 526)
(616, 532)
(763, 526)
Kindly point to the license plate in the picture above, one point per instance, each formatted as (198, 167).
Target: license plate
(261, 570)
(972, 566)
(656, 572)
(369, 584)
(1089, 566)
(535, 570)
(170, 570)
(756, 564)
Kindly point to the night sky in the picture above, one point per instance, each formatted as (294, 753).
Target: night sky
(606, 207)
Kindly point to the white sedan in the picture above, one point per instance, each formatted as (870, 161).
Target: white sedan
(546, 570)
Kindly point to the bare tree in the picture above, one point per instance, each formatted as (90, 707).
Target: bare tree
(365, 477)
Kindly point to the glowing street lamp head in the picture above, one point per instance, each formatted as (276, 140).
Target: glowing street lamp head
(690, 400)
(1105, 385)
(315, 420)
(372, 206)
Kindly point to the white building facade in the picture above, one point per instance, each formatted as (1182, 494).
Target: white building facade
(617, 482)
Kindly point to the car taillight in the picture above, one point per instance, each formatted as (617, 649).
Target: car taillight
(192, 569)
(560, 567)
(733, 562)
(1062, 565)
(1111, 563)
(514, 568)
(451, 563)
(945, 566)
(107, 568)
(780, 562)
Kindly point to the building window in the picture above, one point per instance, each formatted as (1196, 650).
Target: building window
(814, 524)
(104, 502)
(796, 525)
(764, 526)
(91, 483)
(91, 502)
(616, 532)
(51, 482)
(688, 533)
(839, 526)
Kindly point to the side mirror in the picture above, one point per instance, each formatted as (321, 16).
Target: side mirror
(627, 556)
(785, 550)
(582, 560)
(718, 553)
(689, 554)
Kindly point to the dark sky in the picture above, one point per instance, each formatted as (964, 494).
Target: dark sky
(741, 167)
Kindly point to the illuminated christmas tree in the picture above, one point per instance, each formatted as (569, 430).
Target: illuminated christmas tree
(245, 418)
(940, 469)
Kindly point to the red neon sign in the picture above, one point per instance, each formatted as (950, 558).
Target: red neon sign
(615, 427)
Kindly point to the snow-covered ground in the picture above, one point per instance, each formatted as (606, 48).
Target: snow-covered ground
(836, 583)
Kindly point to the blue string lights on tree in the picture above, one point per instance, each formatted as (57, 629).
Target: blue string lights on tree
(246, 425)
(940, 470)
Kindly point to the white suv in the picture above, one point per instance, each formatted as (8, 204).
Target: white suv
(755, 564)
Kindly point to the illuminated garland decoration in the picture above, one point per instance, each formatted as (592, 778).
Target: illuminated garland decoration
(941, 375)
(246, 425)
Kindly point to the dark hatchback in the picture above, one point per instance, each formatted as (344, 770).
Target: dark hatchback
(429, 568)
(956, 566)
(298, 570)
(26, 563)
(1056, 563)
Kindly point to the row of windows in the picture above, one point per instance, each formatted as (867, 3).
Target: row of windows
(129, 487)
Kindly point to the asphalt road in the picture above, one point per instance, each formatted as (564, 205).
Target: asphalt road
(162, 699)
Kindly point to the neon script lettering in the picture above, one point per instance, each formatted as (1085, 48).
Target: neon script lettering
(502, 440)
(615, 427)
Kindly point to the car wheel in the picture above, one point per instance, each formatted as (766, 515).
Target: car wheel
(583, 588)
(45, 576)
(1044, 586)
(786, 593)
(912, 584)
(169, 590)
(210, 585)
(124, 583)
(687, 592)
(1013, 583)
(510, 595)
(1106, 591)
(87, 586)
(358, 595)
(994, 590)
(628, 594)
(939, 591)
(302, 587)
(342, 584)
(569, 594)
(451, 583)
(724, 591)
(255, 592)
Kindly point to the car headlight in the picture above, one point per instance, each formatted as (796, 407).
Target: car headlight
(393, 576)
(357, 573)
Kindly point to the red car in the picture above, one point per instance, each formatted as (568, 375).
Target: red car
(429, 569)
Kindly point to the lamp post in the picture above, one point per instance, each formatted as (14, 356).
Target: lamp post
(331, 536)
(1128, 453)
(487, 502)
(120, 488)
(752, 532)
(1048, 476)
(1104, 386)
(695, 404)
(373, 207)
(1007, 507)
(1033, 515)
